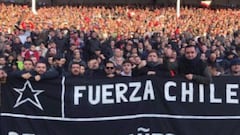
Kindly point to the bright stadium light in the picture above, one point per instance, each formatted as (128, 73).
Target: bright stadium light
(34, 7)
(178, 8)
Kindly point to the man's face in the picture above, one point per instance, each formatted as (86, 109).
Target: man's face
(8, 48)
(118, 52)
(28, 65)
(33, 48)
(127, 67)
(235, 68)
(41, 68)
(82, 69)
(94, 34)
(50, 60)
(109, 69)
(168, 52)
(2, 61)
(93, 64)
(152, 57)
(75, 69)
(190, 53)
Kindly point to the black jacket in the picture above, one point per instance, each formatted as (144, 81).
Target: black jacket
(196, 67)
(158, 68)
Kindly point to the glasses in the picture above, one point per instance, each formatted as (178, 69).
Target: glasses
(109, 67)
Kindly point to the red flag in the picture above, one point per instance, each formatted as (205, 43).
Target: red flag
(206, 3)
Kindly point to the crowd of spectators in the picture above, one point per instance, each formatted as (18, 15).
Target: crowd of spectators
(118, 41)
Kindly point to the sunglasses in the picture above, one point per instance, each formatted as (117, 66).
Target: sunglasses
(109, 67)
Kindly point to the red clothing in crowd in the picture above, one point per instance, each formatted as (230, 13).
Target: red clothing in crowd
(30, 53)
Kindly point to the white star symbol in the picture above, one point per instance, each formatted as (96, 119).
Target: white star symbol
(21, 91)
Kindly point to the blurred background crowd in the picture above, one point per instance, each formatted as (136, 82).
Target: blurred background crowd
(121, 36)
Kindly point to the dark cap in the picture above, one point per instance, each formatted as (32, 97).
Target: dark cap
(235, 61)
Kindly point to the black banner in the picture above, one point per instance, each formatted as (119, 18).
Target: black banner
(122, 106)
